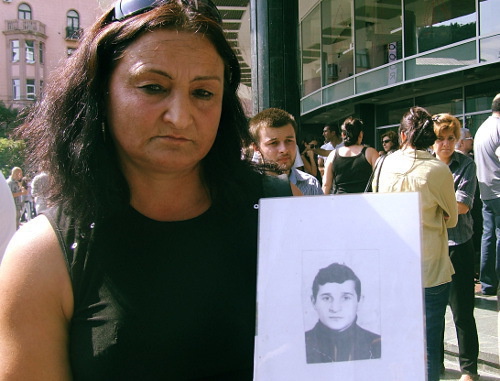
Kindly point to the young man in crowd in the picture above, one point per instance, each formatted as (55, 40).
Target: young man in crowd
(274, 133)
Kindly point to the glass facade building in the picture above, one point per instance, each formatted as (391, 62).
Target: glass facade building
(376, 58)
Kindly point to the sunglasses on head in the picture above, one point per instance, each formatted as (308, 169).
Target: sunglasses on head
(386, 141)
(127, 8)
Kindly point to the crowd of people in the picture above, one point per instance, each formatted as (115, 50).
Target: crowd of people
(132, 260)
(432, 155)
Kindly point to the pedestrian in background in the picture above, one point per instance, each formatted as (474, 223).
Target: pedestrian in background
(390, 142)
(349, 168)
(414, 169)
(40, 188)
(17, 190)
(460, 245)
(465, 144)
(487, 158)
(7, 215)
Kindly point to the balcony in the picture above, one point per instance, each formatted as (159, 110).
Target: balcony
(24, 26)
(73, 33)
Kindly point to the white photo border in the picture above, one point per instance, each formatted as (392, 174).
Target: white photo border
(378, 236)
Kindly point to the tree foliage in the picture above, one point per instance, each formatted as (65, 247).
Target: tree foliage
(8, 120)
(12, 154)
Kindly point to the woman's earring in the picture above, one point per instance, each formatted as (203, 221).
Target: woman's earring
(103, 129)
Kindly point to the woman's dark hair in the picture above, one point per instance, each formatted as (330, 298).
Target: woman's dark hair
(351, 128)
(393, 137)
(418, 127)
(308, 138)
(64, 132)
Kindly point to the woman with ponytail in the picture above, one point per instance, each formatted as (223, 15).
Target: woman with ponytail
(348, 169)
(414, 169)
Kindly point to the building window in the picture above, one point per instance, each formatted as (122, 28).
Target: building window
(70, 51)
(337, 40)
(16, 89)
(311, 52)
(24, 12)
(30, 89)
(30, 51)
(379, 33)
(430, 25)
(72, 25)
(488, 22)
(15, 50)
(41, 52)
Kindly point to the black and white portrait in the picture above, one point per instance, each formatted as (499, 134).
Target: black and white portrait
(336, 296)
(330, 306)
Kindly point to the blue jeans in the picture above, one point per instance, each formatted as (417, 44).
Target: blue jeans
(436, 300)
(490, 259)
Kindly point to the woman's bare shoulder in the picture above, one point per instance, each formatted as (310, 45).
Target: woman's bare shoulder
(37, 304)
(32, 241)
(34, 257)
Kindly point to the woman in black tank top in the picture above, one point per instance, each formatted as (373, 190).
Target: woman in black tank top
(145, 267)
(348, 169)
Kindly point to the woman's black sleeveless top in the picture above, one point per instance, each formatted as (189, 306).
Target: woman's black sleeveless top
(162, 300)
(351, 173)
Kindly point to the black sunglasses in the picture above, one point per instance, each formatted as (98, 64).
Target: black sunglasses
(128, 8)
(386, 141)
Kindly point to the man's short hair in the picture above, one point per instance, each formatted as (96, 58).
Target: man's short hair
(270, 118)
(463, 133)
(335, 273)
(333, 127)
(495, 105)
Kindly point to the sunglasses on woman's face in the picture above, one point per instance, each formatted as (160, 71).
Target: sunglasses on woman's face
(386, 141)
(128, 8)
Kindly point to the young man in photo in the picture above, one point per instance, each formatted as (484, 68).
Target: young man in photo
(336, 293)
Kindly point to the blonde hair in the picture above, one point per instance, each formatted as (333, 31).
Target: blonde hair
(446, 122)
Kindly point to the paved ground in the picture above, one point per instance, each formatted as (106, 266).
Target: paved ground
(487, 324)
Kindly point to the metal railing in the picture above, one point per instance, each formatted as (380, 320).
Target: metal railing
(73, 33)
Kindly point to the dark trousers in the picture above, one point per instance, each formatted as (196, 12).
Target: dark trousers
(462, 305)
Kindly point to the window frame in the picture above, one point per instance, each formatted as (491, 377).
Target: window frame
(15, 50)
(24, 12)
(41, 52)
(16, 89)
(29, 51)
(30, 89)
(71, 17)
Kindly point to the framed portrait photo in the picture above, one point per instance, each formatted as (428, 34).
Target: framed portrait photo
(339, 292)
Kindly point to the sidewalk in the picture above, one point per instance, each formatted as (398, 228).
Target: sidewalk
(487, 326)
